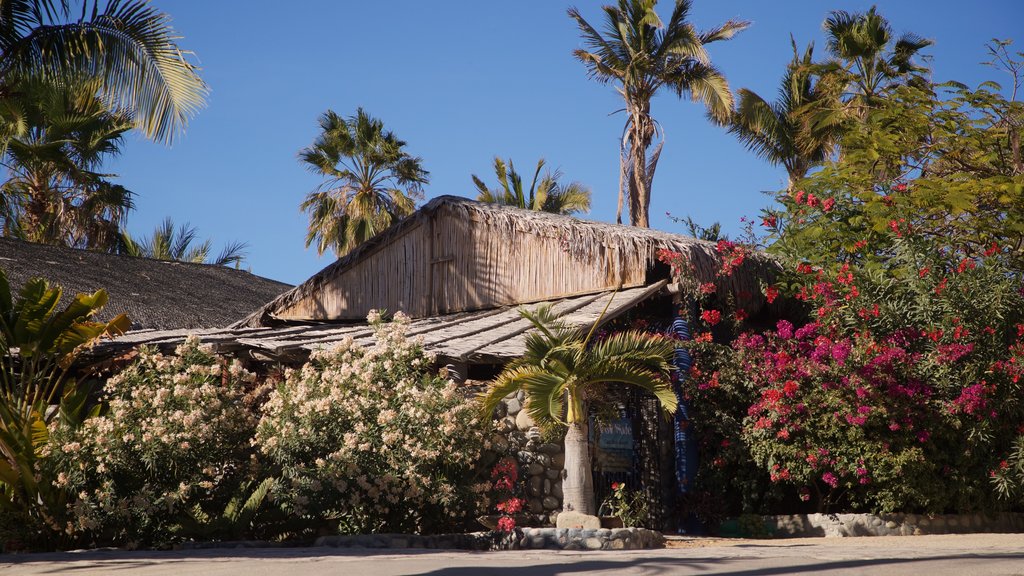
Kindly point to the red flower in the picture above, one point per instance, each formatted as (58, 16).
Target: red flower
(703, 337)
(707, 288)
(799, 197)
(771, 293)
(615, 485)
(827, 204)
(769, 221)
(712, 317)
(506, 524)
(992, 249)
(923, 272)
(901, 187)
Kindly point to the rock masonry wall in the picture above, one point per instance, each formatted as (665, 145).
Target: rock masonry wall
(540, 461)
(840, 525)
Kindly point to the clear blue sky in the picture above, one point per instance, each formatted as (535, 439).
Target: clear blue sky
(463, 81)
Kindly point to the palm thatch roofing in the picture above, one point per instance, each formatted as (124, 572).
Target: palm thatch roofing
(154, 294)
(481, 337)
(456, 255)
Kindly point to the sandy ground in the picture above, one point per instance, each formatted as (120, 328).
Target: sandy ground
(953, 555)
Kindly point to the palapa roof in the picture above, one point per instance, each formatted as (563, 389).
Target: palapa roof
(487, 336)
(616, 255)
(155, 294)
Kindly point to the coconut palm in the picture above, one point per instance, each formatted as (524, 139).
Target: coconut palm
(862, 47)
(562, 372)
(782, 132)
(547, 195)
(371, 182)
(640, 54)
(128, 46)
(168, 242)
(55, 193)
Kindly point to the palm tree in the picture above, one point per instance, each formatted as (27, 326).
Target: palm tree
(55, 193)
(371, 182)
(782, 132)
(168, 242)
(862, 48)
(562, 371)
(128, 46)
(641, 55)
(548, 195)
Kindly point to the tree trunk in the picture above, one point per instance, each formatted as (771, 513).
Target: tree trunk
(578, 478)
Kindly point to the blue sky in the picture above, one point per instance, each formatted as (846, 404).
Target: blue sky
(463, 81)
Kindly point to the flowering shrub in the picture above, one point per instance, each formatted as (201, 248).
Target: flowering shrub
(176, 432)
(371, 439)
(628, 505)
(504, 476)
(901, 393)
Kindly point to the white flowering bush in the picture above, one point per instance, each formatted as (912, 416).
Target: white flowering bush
(177, 432)
(374, 440)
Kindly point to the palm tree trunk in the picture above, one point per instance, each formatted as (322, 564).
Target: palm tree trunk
(641, 134)
(578, 482)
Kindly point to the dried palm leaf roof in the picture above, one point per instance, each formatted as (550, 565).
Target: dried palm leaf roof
(583, 239)
(486, 336)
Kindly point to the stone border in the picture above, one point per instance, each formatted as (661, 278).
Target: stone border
(520, 539)
(843, 525)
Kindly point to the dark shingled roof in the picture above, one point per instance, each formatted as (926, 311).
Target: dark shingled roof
(155, 294)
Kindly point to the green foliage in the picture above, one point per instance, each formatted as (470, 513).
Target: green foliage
(128, 47)
(782, 132)
(548, 195)
(562, 369)
(38, 344)
(178, 244)
(630, 506)
(923, 165)
(55, 193)
(371, 181)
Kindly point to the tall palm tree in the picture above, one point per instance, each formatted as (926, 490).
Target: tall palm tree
(562, 371)
(547, 195)
(128, 46)
(862, 47)
(55, 193)
(168, 242)
(782, 132)
(641, 55)
(371, 182)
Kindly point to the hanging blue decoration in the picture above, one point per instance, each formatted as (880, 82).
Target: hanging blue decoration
(685, 441)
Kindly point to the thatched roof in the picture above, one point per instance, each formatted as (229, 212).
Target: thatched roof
(155, 294)
(631, 251)
(489, 336)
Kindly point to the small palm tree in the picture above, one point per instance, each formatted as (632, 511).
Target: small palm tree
(547, 195)
(782, 132)
(372, 181)
(168, 242)
(562, 372)
(128, 47)
(642, 55)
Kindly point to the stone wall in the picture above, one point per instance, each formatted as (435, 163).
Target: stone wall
(540, 461)
(840, 525)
